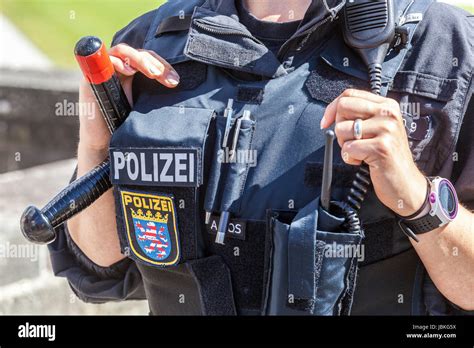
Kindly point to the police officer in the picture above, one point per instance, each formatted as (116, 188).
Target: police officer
(287, 65)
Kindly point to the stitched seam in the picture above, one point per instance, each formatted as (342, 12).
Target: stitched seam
(199, 286)
(203, 142)
(445, 87)
(461, 107)
(154, 24)
(422, 75)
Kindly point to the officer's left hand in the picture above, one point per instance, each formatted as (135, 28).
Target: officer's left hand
(397, 182)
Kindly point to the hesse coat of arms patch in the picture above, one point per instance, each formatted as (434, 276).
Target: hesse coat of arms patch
(151, 225)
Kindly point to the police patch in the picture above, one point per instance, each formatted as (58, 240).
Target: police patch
(155, 167)
(151, 226)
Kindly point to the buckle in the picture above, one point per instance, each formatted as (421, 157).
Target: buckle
(402, 35)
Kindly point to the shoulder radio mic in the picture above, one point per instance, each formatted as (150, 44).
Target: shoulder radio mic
(369, 29)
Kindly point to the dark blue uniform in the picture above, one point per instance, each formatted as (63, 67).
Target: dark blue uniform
(167, 170)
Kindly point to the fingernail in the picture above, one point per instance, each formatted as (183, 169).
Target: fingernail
(321, 123)
(173, 78)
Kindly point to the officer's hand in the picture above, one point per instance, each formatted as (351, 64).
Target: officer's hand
(384, 147)
(94, 133)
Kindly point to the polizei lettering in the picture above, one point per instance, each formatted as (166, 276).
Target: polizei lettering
(155, 167)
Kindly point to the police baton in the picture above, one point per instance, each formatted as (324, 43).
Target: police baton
(38, 225)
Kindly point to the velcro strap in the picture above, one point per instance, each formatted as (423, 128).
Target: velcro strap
(174, 23)
(247, 262)
(215, 286)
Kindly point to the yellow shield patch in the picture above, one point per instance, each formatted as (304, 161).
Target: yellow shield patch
(151, 227)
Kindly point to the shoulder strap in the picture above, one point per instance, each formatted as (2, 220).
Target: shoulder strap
(409, 19)
(174, 23)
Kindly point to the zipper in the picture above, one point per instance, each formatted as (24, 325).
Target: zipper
(284, 48)
(213, 29)
(220, 30)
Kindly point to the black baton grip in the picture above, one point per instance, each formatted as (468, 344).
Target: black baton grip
(38, 225)
(112, 102)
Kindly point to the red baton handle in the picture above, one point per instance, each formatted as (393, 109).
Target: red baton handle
(99, 71)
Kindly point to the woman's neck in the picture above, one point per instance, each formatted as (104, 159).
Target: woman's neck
(277, 10)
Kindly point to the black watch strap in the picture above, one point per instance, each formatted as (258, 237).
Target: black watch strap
(421, 225)
(411, 227)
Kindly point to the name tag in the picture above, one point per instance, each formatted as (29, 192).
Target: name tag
(155, 167)
(411, 17)
(235, 229)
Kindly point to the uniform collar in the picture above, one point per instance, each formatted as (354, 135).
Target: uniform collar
(240, 51)
(318, 11)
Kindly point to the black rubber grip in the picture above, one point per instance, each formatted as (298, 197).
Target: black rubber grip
(112, 102)
(80, 194)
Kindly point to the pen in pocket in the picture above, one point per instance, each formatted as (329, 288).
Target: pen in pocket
(225, 215)
(228, 113)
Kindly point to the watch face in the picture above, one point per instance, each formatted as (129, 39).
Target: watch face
(448, 199)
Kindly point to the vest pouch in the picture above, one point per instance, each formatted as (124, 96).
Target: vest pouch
(212, 190)
(231, 165)
(156, 169)
(314, 264)
(239, 160)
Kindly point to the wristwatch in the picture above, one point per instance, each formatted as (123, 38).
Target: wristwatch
(441, 206)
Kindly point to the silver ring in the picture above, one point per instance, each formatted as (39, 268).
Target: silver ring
(358, 129)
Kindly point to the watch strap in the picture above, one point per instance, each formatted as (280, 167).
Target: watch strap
(416, 224)
(423, 224)
(413, 225)
(423, 206)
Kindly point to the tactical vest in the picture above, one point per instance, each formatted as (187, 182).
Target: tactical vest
(169, 168)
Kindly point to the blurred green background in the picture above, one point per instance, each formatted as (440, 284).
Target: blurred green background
(54, 26)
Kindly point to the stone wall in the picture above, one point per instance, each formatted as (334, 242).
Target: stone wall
(38, 119)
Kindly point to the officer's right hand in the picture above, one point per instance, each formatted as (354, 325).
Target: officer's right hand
(94, 133)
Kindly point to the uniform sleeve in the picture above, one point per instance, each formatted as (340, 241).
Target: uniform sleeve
(90, 282)
(134, 34)
(463, 171)
(462, 177)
